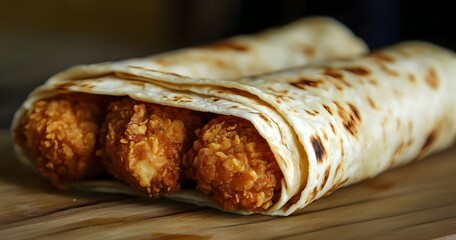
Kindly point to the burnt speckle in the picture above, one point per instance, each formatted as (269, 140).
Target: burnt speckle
(336, 74)
(326, 177)
(432, 79)
(310, 112)
(357, 70)
(428, 143)
(220, 63)
(355, 111)
(227, 46)
(313, 194)
(215, 99)
(328, 109)
(399, 149)
(350, 119)
(339, 169)
(309, 51)
(388, 70)
(373, 81)
(319, 149)
(371, 103)
(64, 86)
(332, 128)
(325, 135)
(382, 57)
(304, 83)
(342, 150)
(412, 78)
(182, 98)
(277, 91)
(265, 118)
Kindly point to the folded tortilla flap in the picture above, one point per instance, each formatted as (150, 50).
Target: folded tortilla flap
(304, 41)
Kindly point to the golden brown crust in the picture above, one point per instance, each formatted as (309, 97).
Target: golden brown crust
(234, 165)
(144, 142)
(61, 134)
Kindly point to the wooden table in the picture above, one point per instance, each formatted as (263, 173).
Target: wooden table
(413, 202)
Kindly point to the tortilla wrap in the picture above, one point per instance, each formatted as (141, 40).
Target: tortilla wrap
(304, 41)
(328, 125)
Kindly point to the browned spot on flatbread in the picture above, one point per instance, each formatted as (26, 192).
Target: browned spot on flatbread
(355, 111)
(432, 78)
(342, 150)
(339, 87)
(227, 46)
(325, 135)
(319, 149)
(333, 73)
(215, 99)
(309, 51)
(338, 169)
(430, 139)
(371, 103)
(332, 128)
(382, 57)
(388, 70)
(304, 83)
(373, 81)
(64, 86)
(328, 109)
(357, 70)
(336, 74)
(277, 91)
(397, 151)
(326, 177)
(137, 83)
(292, 201)
(182, 98)
(220, 63)
(265, 118)
(411, 78)
(313, 194)
(350, 119)
(310, 112)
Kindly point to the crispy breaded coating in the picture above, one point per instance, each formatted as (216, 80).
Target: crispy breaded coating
(233, 164)
(61, 134)
(144, 143)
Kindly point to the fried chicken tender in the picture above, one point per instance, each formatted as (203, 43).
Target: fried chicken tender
(233, 164)
(61, 134)
(144, 144)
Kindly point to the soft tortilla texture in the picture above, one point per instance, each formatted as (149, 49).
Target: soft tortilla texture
(304, 41)
(329, 125)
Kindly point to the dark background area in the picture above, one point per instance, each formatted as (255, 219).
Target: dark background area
(41, 37)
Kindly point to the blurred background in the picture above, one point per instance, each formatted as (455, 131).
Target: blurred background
(41, 37)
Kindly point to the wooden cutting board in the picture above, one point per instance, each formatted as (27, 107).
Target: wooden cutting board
(417, 201)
